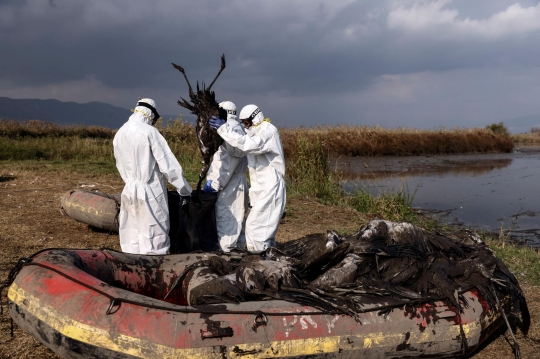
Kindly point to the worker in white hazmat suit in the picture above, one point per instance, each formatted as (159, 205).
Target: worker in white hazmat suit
(227, 176)
(266, 163)
(144, 160)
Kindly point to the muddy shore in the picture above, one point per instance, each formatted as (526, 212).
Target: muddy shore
(372, 167)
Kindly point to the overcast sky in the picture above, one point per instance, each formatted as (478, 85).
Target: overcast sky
(394, 63)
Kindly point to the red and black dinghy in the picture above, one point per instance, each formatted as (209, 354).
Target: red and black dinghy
(106, 304)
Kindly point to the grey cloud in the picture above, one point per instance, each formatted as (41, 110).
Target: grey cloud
(305, 56)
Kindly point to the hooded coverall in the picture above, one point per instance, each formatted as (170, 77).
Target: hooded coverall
(266, 163)
(227, 173)
(144, 160)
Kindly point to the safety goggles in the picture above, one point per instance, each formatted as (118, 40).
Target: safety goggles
(248, 122)
(151, 108)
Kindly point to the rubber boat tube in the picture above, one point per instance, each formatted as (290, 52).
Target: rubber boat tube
(97, 209)
(106, 304)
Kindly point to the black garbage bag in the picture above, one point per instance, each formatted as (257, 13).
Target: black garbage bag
(174, 220)
(195, 223)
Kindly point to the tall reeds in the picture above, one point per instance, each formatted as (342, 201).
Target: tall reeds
(531, 138)
(307, 152)
(379, 141)
(308, 173)
(338, 140)
(36, 129)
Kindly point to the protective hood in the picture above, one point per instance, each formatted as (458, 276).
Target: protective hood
(252, 112)
(147, 107)
(229, 108)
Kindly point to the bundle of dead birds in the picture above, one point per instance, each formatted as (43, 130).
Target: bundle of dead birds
(388, 264)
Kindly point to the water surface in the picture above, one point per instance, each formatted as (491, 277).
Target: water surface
(490, 191)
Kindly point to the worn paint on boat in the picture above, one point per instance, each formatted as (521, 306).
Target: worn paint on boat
(90, 303)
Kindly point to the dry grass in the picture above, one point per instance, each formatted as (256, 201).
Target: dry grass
(36, 128)
(338, 140)
(527, 138)
(379, 141)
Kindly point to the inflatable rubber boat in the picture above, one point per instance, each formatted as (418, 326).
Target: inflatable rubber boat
(98, 209)
(106, 304)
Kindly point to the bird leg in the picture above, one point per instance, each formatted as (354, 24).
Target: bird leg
(515, 347)
(181, 69)
(202, 174)
(220, 71)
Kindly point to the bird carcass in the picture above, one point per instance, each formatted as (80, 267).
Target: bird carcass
(203, 105)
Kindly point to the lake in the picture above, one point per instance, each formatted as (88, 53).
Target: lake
(487, 191)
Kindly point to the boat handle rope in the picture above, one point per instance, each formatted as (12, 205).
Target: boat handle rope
(27, 261)
(260, 319)
(118, 301)
(6, 283)
(109, 310)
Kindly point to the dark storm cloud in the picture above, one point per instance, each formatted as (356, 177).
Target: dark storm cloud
(353, 54)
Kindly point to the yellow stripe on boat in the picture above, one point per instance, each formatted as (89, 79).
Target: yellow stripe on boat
(149, 350)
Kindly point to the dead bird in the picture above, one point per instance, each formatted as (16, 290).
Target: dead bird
(321, 256)
(206, 270)
(275, 254)
(204, 106)
(217, 290)
(395, 233)
(400, 270)
(248, 279)
(265, 274)
(298, 247)
(343, 272)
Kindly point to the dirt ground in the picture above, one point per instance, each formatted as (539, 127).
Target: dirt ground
(31, 220)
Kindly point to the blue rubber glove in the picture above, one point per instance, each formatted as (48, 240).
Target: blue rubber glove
(215, 122)
(208, 187)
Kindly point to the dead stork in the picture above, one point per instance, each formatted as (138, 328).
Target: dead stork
(203, 105)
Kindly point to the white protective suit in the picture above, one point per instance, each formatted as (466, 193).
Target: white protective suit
(227, 173)
(144, 160)
(266, 164)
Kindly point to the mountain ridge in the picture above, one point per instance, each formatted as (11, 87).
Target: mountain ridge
(66, 113)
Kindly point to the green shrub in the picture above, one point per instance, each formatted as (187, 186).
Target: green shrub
(498, 129)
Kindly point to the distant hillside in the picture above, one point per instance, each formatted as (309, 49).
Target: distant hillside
(66, 113)
(522, 124)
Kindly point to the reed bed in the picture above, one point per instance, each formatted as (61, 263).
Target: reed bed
(37, 129)
(338, 140)
(379, 141)
(531, 138)
(38, 140)
(307, 152)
